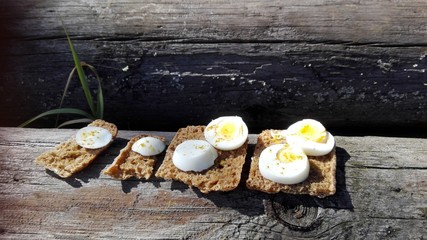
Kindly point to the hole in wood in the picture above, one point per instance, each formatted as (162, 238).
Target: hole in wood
(296, 212)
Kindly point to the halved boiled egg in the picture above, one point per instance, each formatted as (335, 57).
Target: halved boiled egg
(283, 163)
(194, 155)
(148, 146)
(311, 136)
(227, 133)
(93, 137)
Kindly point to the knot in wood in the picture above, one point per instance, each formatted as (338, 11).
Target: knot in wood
(297, 212)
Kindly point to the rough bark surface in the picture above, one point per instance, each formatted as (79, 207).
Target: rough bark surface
(381, 194)
(347, 63)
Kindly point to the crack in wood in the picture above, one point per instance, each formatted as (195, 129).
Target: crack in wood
(341, 225)
(400, 218)
(137, 38)
(385, 167)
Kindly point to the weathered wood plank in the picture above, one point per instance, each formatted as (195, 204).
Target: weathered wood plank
(347, 63)
(381, 22)
(270, 85)
(381, 193)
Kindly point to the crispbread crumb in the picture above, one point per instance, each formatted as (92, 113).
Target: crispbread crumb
(131, 164)
(223, 176)
(321, 181)
(68, 157)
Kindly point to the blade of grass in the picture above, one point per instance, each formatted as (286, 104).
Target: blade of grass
(66, 86)
(65, 92)
(100, 102)
(58, 111)
(75, 121)
(100, 95)
(81, 74)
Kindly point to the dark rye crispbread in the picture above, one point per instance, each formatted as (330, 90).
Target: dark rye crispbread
(132, 164)
(224, 175)
(68, 157)
(321, 181)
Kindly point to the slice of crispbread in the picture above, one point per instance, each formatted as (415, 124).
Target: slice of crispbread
(321, 181)
(224, 175)
(131, 164)
(68, 157)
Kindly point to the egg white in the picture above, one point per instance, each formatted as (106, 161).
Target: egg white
(311, 148)
(194, 155)
(282, 172)
(314, 124)
(148, 146)
(91, 137)
(238, 136)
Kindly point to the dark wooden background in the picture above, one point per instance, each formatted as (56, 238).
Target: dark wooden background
(358, 66)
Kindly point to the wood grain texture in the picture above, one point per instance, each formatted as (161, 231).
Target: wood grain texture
(381, 194)
(350, 64)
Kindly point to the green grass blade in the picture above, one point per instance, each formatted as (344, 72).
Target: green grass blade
(66, 86)
(58, 111)
(100, 102)
(75, 121)
(100, 95)
(81, 74)
(65, 92)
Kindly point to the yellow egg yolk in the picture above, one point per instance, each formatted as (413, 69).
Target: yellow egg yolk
(288, 154)
(228, 129)
(311, 133)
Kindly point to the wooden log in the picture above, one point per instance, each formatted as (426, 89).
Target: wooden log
(381, 193)
(350, 64)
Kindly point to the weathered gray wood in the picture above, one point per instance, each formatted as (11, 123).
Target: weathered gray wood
(381, 22)
(381, 194)
(348, 63)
